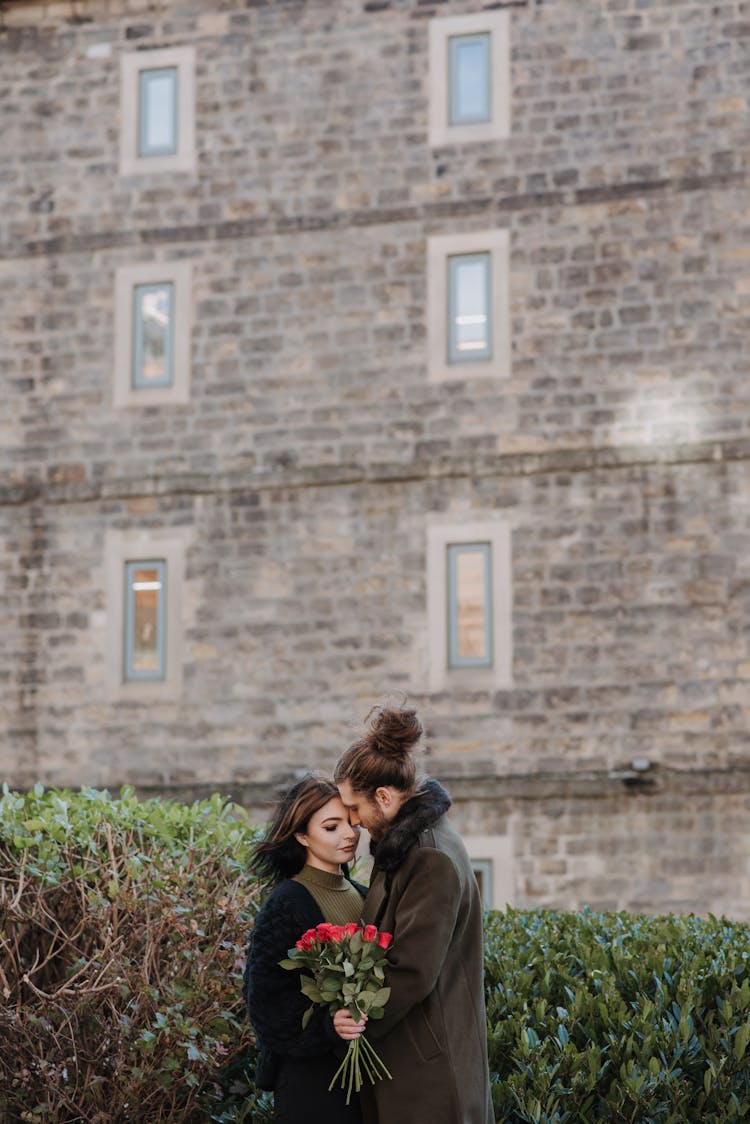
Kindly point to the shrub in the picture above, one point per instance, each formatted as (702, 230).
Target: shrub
(618, 1017)
(123, 926)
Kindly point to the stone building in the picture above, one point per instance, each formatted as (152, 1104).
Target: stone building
(356, 347)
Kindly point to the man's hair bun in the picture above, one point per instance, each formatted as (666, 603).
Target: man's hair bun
(393, 731)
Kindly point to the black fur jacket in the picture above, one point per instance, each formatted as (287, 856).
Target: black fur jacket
(420, 812)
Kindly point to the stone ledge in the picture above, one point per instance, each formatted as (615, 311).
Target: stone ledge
(69, 487)
(657, 782)
(279, 225)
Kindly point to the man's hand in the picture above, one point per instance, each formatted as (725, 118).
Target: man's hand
(346, 1027)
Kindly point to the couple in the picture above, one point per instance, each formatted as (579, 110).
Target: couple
(422, 890)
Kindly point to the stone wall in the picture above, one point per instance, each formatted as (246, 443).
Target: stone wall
(315, 449)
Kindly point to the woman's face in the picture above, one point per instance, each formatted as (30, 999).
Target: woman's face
(329, 839)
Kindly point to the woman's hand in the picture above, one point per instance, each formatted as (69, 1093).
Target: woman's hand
(346, 1027)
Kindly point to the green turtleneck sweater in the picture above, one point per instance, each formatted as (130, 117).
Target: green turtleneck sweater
(339, 902)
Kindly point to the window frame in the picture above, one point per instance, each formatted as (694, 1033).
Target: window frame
(442, 29)
(132, 66)
(137, 381)
(126, 393)
(128, 673)
(454, 358)
(499, 673)
(441, 248)
(454, 119)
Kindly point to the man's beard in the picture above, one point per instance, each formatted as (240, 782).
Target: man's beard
(379, 826)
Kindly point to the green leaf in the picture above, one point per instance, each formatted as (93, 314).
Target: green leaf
(310, 989)
(380, 998)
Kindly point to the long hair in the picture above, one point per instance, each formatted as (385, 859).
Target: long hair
(384, 754)
(279, 855)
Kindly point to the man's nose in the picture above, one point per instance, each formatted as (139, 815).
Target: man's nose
(354, 820)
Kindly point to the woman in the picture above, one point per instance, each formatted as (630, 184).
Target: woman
(304, 857)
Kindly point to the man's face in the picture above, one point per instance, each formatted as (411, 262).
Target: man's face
(364, 811)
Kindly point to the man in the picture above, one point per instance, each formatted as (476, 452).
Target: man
(433, 1035)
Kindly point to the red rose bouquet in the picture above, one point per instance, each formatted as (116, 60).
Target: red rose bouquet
(346, 969)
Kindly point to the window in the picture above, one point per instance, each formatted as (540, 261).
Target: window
(469, 303)
(492, 861)
(469, 605)
(153, 322)
(469, 78)
(469, 598)
(483, 873)
(153, 328)
(145, 617)
(144, 625)
(468, 328)
(157, 112)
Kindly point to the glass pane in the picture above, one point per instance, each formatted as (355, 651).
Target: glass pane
(469, 300)
(471, 641)
(469, 79)
(144, 632)
(470, 609)
(157, 118)
(152, 351)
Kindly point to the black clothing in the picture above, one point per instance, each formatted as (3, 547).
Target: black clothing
(305, 1059)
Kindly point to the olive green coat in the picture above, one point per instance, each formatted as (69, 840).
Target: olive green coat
(433, 1037)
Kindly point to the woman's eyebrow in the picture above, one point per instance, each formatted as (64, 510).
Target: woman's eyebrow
(333, 819)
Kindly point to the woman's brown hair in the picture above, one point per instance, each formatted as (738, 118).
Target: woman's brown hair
(384, 754)
(279, 855)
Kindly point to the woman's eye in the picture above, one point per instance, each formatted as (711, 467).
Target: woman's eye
(330, 829)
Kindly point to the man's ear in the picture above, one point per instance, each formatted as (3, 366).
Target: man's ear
(383, 797)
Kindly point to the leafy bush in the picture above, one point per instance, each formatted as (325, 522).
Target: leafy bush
(618, 1017)
(123, 926)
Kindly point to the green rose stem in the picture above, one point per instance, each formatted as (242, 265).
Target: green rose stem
(359, 1054)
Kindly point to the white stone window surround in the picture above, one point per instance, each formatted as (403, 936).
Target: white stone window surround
(179, 274)
(124, 546)
(441, 30)
(440, 248)
(441, 534)
(497, 850)
(131, 64)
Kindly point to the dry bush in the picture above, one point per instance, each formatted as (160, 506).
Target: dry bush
(123, 926)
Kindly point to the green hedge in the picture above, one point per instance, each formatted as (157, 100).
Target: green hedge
(618, 1017)
(123, 925)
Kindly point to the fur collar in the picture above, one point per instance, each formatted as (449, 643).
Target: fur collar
(418, 814)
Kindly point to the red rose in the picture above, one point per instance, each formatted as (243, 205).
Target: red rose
(307, 940)
(336, 932)
(350, 929)
(384, 940)
(324, 931)
(369, 933)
